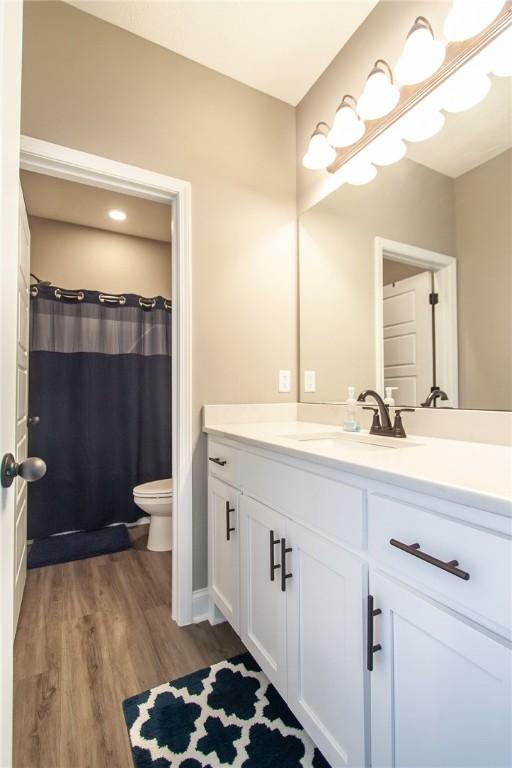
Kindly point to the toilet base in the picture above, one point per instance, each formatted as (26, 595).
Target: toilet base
(160, 533)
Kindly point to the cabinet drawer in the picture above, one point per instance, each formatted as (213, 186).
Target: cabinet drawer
(331, 507)
(223, 462)
(485, 556)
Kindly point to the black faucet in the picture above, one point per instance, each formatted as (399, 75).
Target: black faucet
(435, 394)
(381, 424)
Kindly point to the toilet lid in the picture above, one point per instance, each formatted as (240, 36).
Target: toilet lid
(154, 489)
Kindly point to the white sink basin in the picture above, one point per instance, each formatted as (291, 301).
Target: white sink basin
(362, 441)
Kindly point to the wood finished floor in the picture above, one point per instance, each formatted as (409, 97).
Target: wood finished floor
(91, 633)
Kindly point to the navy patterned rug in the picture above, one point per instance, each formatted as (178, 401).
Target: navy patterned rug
(225, 715)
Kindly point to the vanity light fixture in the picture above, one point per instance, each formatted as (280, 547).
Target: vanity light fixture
(380, 94)
(320, 154)
(468, 17)
(499, 55)
(347, 127)
(359, 170)
(387, 149)
(420, 123)
(464, 89)
(117, 215)
(422, 54)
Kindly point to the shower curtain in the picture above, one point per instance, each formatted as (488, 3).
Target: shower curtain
(100, 383)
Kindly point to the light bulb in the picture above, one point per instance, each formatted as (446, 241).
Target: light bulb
(117, 215)
(347, 128)
(420, 123)
(359, 170)
(468, 17)
(422, 54)
(380, 94)
(463, 90)
(387, 149)
(499, 54)
(320, 154)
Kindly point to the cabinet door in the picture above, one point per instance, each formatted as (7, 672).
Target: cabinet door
(440, 688)
(325, 641)
(263, 604)
(224, 544)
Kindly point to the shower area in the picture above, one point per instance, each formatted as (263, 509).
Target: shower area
(99, 369)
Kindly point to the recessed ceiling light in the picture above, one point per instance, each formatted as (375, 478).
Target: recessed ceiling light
(117, 215)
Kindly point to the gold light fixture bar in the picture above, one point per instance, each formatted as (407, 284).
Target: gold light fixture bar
(457, 54)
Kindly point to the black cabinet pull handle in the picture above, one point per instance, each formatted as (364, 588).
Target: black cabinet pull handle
(370, 647)
(216, 460)
(284, 575)
(229, 529)
(415, 551)
(273, 565)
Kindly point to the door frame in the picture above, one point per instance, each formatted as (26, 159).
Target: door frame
(62, 162)
(444, 268)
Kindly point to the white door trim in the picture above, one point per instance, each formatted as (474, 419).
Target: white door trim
(445, 282)
(65, 163)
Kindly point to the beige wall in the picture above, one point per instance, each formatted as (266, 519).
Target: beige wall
(483, 205)
(97, 88)
(407, 202)
(381, 35)
(72, 256)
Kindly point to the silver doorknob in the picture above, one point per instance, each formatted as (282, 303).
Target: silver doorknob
(29, 469)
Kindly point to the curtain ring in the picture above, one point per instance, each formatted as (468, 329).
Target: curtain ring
(110, 298)
(146, 303)
(34, 290)
(71, 295)
(167, 304)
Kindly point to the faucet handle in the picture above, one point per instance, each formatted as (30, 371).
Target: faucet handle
(398, 427)
(376, 418)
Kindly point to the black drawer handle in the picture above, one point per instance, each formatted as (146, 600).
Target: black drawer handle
(229, 529)
(370, 647)
(273, 565)
(284, 575)
(415, 551)
(216, 460)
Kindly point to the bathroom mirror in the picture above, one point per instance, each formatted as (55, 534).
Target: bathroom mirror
(407, 281)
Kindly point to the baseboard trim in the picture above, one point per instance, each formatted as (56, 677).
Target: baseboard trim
(202, 610)
(200, 605)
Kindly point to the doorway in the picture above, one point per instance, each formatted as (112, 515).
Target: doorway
(415, 321)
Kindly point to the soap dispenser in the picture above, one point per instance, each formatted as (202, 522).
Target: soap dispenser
(351, 423)
(389, 399)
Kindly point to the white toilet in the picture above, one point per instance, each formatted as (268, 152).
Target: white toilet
(156, 499)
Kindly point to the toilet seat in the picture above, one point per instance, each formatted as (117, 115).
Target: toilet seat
(157, 489)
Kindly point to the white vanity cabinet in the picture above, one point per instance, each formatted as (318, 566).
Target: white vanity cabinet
(263, 601)
(440, 687)
(224, 549)
(382, 615)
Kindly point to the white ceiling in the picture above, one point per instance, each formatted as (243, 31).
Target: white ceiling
(280, 47)
(62, 200)
(470, 138)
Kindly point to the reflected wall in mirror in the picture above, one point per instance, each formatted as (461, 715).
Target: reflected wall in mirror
(375, 259)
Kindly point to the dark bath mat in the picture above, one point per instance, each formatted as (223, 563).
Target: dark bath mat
(78, 546)
(228, 714)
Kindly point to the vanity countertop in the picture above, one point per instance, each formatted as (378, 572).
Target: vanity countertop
(475, 474)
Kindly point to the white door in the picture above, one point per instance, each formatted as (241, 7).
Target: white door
(224, 546)
(408, 347)
(263, 603)
(440, 688)
(10, 101)
(20, 486)
(325, 641)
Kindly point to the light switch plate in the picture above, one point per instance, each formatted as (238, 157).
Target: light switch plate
(309, 381)
(285, 381)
